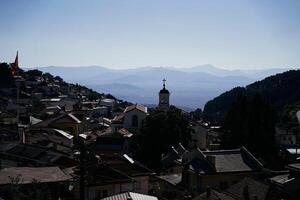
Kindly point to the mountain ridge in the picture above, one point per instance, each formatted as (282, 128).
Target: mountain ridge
(280, 90)
(190, 87)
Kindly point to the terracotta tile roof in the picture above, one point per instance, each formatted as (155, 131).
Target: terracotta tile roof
(139, 107)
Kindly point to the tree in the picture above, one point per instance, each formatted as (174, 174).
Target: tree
(33, 73)
(251, 123)
(162, 129)
(196, 114)
(6, 78)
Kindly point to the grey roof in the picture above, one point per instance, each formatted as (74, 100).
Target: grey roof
(48, 122)
(294, 167)
(281, 179)
(33, 154)
(172, 155)
(257, 190)
(29, 174)
(173, 179)
(236, 160)
(215, 195)
(130, 195)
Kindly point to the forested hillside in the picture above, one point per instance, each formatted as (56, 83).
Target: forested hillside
(282, 91)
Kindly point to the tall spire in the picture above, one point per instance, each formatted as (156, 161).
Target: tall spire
(15, 66)
(17, 60)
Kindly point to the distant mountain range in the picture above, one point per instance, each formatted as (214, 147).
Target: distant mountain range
(189, 87)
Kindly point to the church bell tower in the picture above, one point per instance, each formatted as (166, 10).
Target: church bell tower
(164, 96)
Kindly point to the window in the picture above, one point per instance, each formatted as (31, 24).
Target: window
(137, 185)
(134, 121)
(223, 185)
(104, 193)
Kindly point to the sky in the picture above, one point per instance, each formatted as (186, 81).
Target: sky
(231, 34)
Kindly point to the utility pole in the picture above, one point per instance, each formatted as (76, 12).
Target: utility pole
(17, 81)
(82, 168)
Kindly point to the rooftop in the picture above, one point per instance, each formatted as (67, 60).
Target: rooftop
(173, 179)
(127, 165)
(257, 190)
(29, 174)
(60, 116)
(214, 195)
(36, 155)
(131, 196)
(294, 167)
(139, 107)
(224, 161)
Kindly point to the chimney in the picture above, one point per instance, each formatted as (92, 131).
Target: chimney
(208, 192)
(246, 192)
(211, 159)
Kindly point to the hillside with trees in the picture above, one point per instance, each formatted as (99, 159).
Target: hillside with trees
(281, 91)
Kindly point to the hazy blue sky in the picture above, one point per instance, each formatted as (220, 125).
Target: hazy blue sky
(133, 33)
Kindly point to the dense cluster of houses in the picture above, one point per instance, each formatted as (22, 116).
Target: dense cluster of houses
(54, 135)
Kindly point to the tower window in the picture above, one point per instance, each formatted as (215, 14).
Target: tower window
(134, 121)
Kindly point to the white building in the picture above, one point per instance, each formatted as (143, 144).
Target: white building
(134, 117)
(198, 136)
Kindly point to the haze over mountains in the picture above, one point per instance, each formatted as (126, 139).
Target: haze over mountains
(189, 87)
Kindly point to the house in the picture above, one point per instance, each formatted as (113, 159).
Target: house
(172, 160)
(49, 136)
(63, 121)
(49, 182)
(25, 155)
(8, 127)
(198, 136)
(110, 103)
(131, 196)
(287, 186)
(249, 189)
(217, 169)
(211, 194)
(168, 187)
(103, 181)
(113, 141)
(117, 111)
(7, 118)
(133, 169)
(290, 153)
(50, 111)
(27, 175)
(114, 175)
(134, 117)
(99, 111)
(65, 102)
(285, 137)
